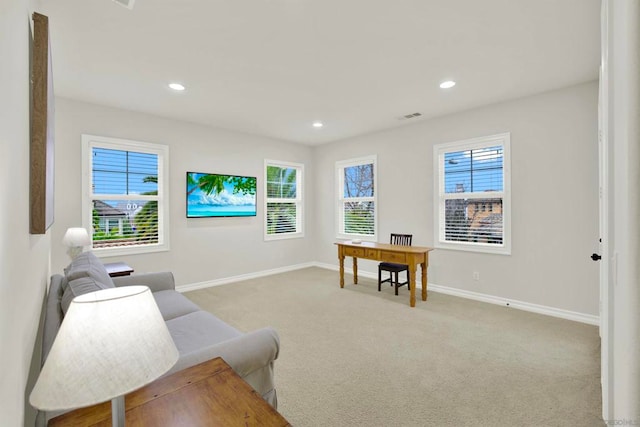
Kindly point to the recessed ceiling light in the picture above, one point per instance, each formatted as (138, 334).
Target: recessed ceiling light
(317, 124)
(176, 86)
(448, 84)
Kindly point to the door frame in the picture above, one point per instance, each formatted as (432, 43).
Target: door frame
(604, 147)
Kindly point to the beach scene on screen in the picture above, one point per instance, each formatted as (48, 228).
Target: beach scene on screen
(216, 195)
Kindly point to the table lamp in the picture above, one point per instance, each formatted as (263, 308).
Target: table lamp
(110, 343)
(76, 238)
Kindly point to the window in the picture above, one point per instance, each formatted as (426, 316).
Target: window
(125, 206)
(283, 200)
(357, 198)
(473, 194)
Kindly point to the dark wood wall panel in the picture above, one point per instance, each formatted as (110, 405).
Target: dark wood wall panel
(42, 137)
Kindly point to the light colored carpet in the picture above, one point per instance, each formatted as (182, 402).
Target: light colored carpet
(357, 357)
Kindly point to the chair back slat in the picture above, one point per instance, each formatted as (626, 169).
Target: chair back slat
(401, 239)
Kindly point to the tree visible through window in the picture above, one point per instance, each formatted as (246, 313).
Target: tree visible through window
(125, 193)
(357, 197)
(283, 199)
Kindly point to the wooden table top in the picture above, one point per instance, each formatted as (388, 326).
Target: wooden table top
(386, 246)
(208, 394)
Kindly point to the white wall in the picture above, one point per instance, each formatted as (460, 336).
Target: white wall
(24, 259)
(202, 249)
(554, 197)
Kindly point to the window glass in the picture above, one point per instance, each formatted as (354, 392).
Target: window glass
(357, 198)
(283, 200)
(127, 205)
(473, 198)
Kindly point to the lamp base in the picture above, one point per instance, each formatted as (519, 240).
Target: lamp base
(74, 251)
(117, 411)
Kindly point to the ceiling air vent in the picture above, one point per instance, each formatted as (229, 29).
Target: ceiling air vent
(126, 3)
(409, 116)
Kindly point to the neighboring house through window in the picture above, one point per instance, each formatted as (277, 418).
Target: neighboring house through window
(283, 200)
(357, 198)
(473, 209)
(108, 218)
(125, 205)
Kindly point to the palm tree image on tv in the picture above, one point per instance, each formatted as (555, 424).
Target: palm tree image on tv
(215, 195)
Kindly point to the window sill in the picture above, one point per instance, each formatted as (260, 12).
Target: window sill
(272, 237)
(135, 250)
(363, 237)
(475, 247)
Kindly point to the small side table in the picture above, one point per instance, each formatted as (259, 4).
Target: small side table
(209, 394)
(116, 269)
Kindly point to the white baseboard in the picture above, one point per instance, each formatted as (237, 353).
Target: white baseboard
(241, 277)
(520, 305)
(361, 273)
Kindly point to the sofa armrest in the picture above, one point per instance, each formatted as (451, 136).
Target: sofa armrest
(245, 353)
(250, 355)
(162, 281)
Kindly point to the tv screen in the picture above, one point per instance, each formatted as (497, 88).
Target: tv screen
(216, 195)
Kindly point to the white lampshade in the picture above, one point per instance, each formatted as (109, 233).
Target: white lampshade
(111, 342)
(76, 236)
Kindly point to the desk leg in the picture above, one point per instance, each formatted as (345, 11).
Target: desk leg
(355, 270)
(412, 280)
(423, 267)
(341, 259)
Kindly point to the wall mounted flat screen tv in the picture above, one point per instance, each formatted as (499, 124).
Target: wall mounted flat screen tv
(217, 195)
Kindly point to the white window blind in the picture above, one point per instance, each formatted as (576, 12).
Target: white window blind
(283, 200)
(473, 194)
(357, 198)
(125, 201)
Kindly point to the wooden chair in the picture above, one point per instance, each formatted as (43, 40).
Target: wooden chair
(392, 268)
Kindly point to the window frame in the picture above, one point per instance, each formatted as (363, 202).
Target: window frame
(440, 197)
(299, 200)
(340, 200)
(162, 151)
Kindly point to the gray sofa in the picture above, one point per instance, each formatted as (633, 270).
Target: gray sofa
(198, 335)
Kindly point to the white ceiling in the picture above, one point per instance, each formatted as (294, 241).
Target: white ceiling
(272, 67)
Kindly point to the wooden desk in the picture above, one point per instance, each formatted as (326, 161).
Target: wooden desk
(410, 255)
(208, 394)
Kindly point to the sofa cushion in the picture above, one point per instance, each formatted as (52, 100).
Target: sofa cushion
(173, 304)
(199, 329)
(85, 274)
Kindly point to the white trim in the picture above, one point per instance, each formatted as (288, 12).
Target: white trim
(519, 305)
(624, 204)
(503, 139)
(575, 316)
(348, 270)
(299, 200)
(88, 142)
(241, 277)
(604, 202)
(340, 165)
